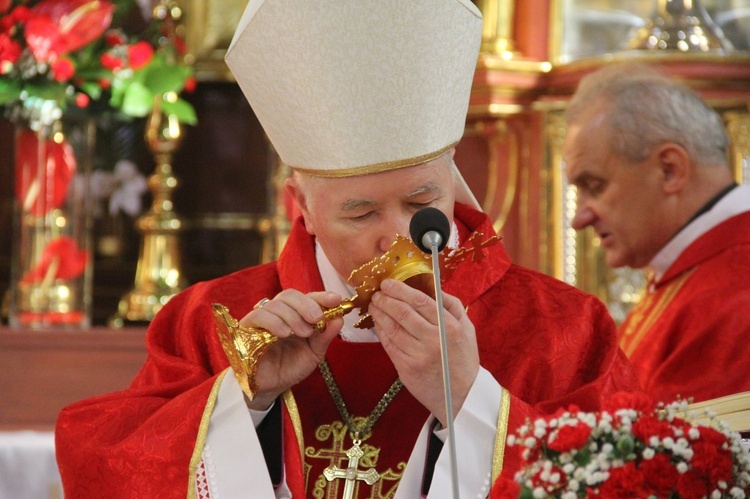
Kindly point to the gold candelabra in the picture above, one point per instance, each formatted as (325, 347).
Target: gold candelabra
(158, 276)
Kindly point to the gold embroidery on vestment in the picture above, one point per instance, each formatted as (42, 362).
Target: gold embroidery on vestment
(646, 313)
(336, 455)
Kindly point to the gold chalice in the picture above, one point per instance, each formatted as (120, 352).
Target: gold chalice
(404, 261)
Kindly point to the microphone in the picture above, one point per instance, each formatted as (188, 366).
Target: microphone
(429, 229)
(429, 225)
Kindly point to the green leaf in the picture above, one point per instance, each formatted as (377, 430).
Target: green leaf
(163, 78)
(182, 109)
(138, 100)
(10, 90)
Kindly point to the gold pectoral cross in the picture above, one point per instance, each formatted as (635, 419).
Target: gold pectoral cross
(351, 474)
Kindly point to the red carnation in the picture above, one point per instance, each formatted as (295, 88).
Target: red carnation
(715, 463)
(649, 426)
(570, 437)
(625, 482)
(4, 5)
(140, 54)
(630, 400)
(659, 474)
(692, 485)
(505, 488)
(62, 69)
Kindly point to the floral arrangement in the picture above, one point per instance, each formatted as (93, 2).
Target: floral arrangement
(631, 449)
(90, 53)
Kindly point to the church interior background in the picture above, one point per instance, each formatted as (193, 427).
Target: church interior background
(228, 198)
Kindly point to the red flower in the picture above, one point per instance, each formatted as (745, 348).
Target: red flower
(140, 54)
(625, 482)
(659, 474)
(61, 26)
(113, 38)
(82, 100)
(570, 437)
(19, 15)
(61, 259)
(4, 5)
(692, 485)
(629, 400)
(190, 84)
(713, 462)
(36, 163)
(649, 426)
(10, 50)
(111, 62)
(505, 488)
(62, 69)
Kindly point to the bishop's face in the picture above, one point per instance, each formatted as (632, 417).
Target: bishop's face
(356, 219)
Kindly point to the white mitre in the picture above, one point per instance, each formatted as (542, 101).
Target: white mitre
(352, 87)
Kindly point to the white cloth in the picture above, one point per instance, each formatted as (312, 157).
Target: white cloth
(28, 469)
(735, 202)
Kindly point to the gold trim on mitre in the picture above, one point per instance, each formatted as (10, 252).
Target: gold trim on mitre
(374, 168)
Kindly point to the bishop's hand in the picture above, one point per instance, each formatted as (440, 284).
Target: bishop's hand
(406, 323)
(290, 316)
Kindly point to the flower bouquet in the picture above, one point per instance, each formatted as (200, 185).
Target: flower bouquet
(631, 449)
(98, 53)
(64, 63)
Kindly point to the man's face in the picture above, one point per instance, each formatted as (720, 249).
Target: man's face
(620, 199)
(356, 219)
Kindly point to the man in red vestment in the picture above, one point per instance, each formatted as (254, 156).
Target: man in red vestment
(365, 101)
(649, 159)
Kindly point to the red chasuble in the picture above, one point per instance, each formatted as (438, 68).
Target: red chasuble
(545, 342)
(690, 337)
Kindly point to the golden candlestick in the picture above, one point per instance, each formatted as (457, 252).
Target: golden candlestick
(158, 276)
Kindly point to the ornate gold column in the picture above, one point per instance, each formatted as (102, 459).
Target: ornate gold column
(738, 129)
(497, 31)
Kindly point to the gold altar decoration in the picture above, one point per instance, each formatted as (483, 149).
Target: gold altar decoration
(682, 25)
(404, 261)
(497, 28)
(158, 276)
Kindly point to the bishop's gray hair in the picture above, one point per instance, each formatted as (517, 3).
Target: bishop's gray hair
(645, 109)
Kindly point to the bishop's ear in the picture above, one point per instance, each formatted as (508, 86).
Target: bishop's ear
(295, 191)
(675, 165)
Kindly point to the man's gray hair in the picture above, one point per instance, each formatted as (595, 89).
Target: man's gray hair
(645, 109)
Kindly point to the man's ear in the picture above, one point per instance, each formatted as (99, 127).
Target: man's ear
(293, 190)
(675, 165)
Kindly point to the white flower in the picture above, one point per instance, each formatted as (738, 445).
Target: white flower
(648, 453)
(737, 493)
(682, 467)
(540, 493)
(568, 495)
(132, 184)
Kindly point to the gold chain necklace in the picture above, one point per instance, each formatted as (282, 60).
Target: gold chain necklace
(362, 430)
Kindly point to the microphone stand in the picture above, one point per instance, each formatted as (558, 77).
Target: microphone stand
(435, 239)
